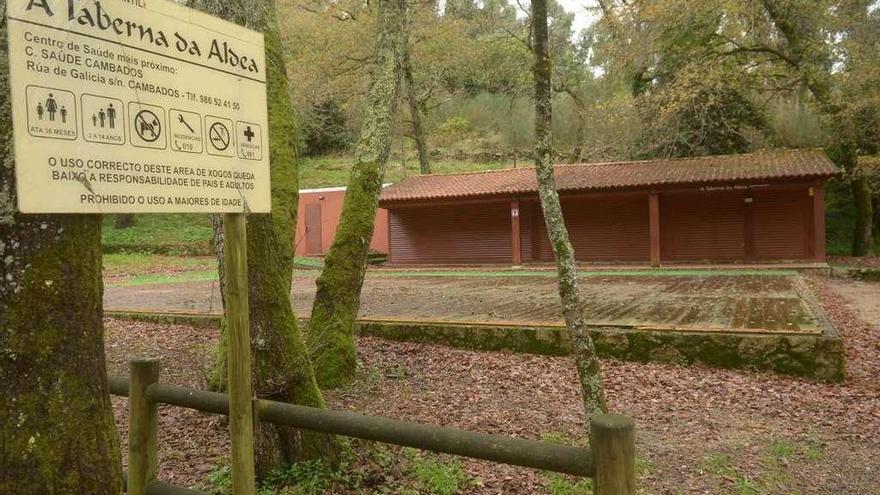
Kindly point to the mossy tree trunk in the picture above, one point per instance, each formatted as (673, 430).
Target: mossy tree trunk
(875, 211)
(124, 221)
(415, 112)
(57, 433)
(589, 370)
(337, 300)
(862, 234)
(281, 365)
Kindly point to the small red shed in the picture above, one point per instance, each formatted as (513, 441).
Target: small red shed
(763, 206)
(318, 218)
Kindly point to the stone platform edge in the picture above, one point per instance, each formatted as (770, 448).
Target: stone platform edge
(818, 356)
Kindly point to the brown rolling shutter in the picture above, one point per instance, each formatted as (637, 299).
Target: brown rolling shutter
(782, 221)
(470, 233)
(703, 226)
(527, 210)
(607, 227)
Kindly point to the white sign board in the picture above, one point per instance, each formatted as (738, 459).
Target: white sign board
(136, 106)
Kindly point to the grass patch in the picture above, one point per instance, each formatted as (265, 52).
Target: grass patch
(365, 468)
(132, 264)
(180, 233)
(333, 170)
(132, 269)
(166, 278)
(584, 274)
(772, 477)
(433, 475)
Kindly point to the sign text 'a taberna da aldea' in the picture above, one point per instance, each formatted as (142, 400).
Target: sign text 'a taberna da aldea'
(136, 106)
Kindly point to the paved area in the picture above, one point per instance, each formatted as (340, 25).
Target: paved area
(745, 303)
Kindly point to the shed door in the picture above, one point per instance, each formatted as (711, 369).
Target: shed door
(608, 227)
(703, 226)
(782, 223)
(313, 229)
(437, 234)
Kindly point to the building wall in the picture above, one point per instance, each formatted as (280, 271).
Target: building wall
(702, 225)
(330, 201)
(451, 233)
(601, 227)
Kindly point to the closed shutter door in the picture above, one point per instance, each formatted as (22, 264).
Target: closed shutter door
(782, 219)
(602, 228)
(474, 233)
(702, 226)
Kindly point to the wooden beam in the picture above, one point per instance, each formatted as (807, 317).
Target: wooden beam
(143, 421)
(515, 232)
(818, 231)
(241, 413)
(654, 220)
(613, 440)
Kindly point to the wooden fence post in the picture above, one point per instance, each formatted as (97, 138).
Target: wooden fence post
(612, 439)
(143, 421)
(241, 412)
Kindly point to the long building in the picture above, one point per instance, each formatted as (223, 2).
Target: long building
(753, 207)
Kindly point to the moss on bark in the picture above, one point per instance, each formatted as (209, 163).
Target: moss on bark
(337, 300)
(282, 369)
(589, 370)
(57, 433)
(415, 112)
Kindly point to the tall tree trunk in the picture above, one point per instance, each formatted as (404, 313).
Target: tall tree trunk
(846, 157)
(875, 208)
(281, 365)
(580, 139)
(124, 220)
(57, 433)
(337, 300)
(219, 240)
(415, 112)
(589, 370)
(862, 236)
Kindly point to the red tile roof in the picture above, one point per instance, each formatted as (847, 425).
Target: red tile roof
(776, 164)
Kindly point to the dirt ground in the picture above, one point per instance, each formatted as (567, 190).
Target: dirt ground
(700, 430)
(706, 302)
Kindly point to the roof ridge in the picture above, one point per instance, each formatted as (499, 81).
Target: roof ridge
(726, 156)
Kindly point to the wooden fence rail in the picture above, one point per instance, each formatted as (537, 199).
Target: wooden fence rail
(610, 460)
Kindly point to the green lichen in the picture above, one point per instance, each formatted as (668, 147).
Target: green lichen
(337, 298)
(57, 433)
(588, 367)
(282, 369)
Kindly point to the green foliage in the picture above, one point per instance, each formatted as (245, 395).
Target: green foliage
(437, 477)
(303, 478)
(220, 479)
(566, 485)
(364, 468)
(454, 126)
(700, 113)
(326, 130)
